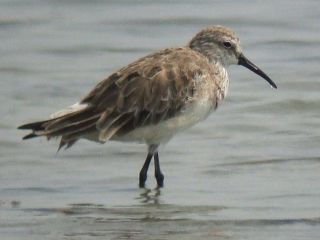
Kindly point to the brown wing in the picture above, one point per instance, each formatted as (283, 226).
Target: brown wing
(151, 89)
(154, 88)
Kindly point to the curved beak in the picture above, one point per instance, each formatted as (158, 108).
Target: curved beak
(242, 60)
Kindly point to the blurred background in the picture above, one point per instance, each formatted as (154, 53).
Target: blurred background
(250, 171)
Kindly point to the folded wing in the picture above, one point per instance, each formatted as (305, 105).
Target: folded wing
(154, 88)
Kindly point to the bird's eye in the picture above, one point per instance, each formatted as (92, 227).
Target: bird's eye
(227, 44)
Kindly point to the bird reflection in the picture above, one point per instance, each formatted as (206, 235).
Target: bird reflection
(149, 196)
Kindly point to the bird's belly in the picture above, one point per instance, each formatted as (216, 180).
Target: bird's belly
(164, 130)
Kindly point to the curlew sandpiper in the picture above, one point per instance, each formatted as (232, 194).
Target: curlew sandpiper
(153, 98)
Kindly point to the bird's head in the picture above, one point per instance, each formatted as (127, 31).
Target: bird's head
(221, 45)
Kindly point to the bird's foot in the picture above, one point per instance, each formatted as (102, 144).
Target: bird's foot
(142, 180)
(159, 178)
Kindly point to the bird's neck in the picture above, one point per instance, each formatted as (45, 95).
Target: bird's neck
(216, 57)
(222, 81)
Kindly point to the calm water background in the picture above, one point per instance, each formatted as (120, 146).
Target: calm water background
(250, 171)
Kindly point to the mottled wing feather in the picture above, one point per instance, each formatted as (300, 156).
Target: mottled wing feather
(151, 89)
(154, 88)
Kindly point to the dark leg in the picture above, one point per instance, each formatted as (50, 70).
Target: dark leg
(157, 173)
(144, 170)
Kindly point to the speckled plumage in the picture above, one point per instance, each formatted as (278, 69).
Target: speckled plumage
(154, 97)
(153, 89)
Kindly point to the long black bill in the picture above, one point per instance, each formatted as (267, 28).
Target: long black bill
(248, 64)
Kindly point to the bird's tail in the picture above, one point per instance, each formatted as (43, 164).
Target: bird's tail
(70, 124)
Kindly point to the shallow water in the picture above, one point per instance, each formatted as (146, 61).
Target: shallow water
(250, 171)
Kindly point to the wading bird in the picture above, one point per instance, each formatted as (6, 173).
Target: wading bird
(153, 98)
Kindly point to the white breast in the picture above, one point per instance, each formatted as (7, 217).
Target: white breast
(163, 131)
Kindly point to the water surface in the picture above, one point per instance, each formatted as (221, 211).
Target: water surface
(250, 171)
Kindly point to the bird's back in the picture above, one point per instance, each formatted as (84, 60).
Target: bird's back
(153, 89)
